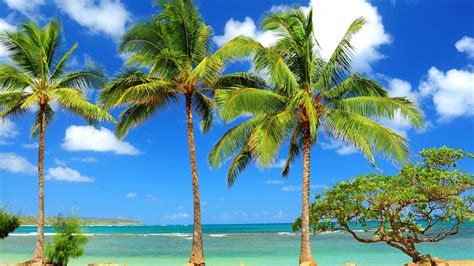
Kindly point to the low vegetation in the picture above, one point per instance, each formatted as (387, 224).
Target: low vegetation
(426, 202)
(68, 242)
(8, 223)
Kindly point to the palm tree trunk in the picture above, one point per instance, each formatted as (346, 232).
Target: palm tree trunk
(197, 255)
(39, 249)
(306, 258)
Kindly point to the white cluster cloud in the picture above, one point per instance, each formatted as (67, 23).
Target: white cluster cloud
(234, 28)
(16, 164)
(7, 129)
(402, 88)
(340, 148)
(4, 26)
(466, 45)
(330, 24)
(103, 16)
(67, 174)
(452, 92)
(88, 138)
(24, 6)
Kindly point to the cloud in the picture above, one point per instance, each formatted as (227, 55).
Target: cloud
(16, 164)
(103, 16)
(234, 28)
(8, 130)
(85, 159)
(401, 88)
(59, 162)
(466, 45)
(296, 188)
(274, 182)
(67, 174)
(131, 195)
(88, 138)
(330, 24)
(176, 216)
(30, 146)
(5, 26)
(451, 91)
(24, 6)
(279, 164)
(341, 148)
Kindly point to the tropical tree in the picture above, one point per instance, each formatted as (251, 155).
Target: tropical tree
(38, 79)
(425, 203)
(8, 223)
(307, 95)
(69, 241)
(174, 49)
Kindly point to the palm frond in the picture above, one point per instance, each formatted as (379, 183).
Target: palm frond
(74, 101)
(238, 101)
(354, 128)
(268, 136)
(204, 107)
(382, 107)
(233, 140)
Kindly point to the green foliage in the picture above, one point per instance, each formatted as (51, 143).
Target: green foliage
(305, 95)
(68, 241)
(174, 46)
(426, 202)
(8, 223)
(39, 78)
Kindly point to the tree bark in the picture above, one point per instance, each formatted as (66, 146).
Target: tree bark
(39, 249)
(197, 254)
(305, 254)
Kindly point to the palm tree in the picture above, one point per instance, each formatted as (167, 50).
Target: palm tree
(35, 81)
(307, 95)
(174, 48)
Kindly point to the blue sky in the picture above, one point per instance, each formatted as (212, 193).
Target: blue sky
(421, 49)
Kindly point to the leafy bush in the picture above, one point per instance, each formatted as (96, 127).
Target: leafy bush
(68, 241)
(8, 223)
(426, 202)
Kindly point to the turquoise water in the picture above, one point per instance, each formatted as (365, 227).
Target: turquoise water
(253, 245)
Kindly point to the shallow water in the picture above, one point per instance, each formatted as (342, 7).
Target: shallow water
(253, 245)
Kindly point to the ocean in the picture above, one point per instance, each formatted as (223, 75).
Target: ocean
(225, 245)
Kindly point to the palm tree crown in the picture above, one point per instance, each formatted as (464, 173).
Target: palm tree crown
(37, 79)
(175, 48)
(307, 95)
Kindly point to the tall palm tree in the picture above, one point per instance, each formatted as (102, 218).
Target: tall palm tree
(174, 48)
(35, 81)
(308, 95)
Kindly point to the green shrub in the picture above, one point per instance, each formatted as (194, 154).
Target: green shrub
(8, 223)
(68, 241)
